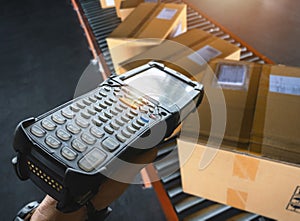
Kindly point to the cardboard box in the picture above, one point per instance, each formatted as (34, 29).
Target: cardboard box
(183, 52)
(238, 82)
(266, 183)
(276, 122)
(146, 26)
(117, 6)
(250, 183)
(282, 154)
(107, 3)
(125, 7)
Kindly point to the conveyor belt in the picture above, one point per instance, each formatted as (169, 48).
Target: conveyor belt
(101, 22)
(98, 23)
(185, 206)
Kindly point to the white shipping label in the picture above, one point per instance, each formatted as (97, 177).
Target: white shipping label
(166, 13)
(206, 54)
(233, 75)
(284, 85)
(110, 2)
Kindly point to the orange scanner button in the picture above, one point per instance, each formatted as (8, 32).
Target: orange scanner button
(128, 102)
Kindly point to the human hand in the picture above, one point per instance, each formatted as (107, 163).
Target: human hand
(107, 193)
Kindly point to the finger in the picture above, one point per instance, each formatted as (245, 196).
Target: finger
(47, 211)
(113, 189)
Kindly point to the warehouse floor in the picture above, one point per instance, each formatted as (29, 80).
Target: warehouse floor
(44, 52)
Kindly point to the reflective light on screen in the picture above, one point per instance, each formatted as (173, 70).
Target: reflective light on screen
(156, 84)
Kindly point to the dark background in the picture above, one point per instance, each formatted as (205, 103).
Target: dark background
(43, 54)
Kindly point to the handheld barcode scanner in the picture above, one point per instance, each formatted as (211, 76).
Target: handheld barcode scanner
(70, 151)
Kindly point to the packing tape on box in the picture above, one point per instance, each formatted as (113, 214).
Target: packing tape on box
(260, 112)
(245, 168)
(236, 198)
(248, 116)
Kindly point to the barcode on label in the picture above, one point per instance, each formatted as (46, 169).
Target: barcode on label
(166, 13)
(204, 54)
(284, 85)
(110, 2)
(233, 75)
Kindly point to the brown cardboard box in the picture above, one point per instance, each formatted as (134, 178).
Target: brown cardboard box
(117, 6)
(250, 183)
(238, 82)
(148, 21)
(282, 154)
(107, 3)
(125, 7)
(276, 122)
(254, 182)
(184, 51)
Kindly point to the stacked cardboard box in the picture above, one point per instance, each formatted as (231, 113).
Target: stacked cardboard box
(117, 6)
(146, 26)
(125, 7)
(236, 82)
(266, 182)
(186, 53)
(246, 182)
(276, 128)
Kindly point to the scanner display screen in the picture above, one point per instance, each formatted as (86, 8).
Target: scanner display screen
(163, 87)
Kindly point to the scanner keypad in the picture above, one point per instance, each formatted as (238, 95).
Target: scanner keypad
(85, 133)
